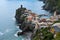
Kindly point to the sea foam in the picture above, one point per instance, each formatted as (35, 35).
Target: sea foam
(13, 19)
(1, 33)
(16, 35)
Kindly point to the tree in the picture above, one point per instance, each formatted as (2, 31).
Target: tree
(43, 34)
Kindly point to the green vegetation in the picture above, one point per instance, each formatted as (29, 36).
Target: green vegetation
(57, 36)
(52, 5)
(58, 3)
(43, 34)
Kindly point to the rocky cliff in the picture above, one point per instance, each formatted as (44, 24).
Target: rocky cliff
(51, 5)
(19, 12)
(20, 17)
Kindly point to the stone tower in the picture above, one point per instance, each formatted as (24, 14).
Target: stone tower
(21, 6)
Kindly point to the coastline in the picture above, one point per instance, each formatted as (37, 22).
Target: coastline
(23, 11)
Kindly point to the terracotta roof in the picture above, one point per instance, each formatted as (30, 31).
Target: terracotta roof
(33, 14)
(43, 20)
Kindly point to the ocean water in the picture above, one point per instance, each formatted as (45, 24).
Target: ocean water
(8, 27)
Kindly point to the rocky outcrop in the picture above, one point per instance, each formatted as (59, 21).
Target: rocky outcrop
(26, 27)
(19, 12)
(51, 5)
(22, 22)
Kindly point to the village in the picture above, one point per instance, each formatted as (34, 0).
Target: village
(33, 22)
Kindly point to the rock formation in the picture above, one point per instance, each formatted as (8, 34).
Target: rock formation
(51, 5)
(21, 21)
(19, 12)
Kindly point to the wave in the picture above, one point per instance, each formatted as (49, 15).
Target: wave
(1, 33)
(16, 35)
(13, 19)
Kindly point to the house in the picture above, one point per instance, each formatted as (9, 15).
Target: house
(56, 27)
(56, 16)
(49, 21)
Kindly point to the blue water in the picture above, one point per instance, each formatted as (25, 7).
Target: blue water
(7, 11)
